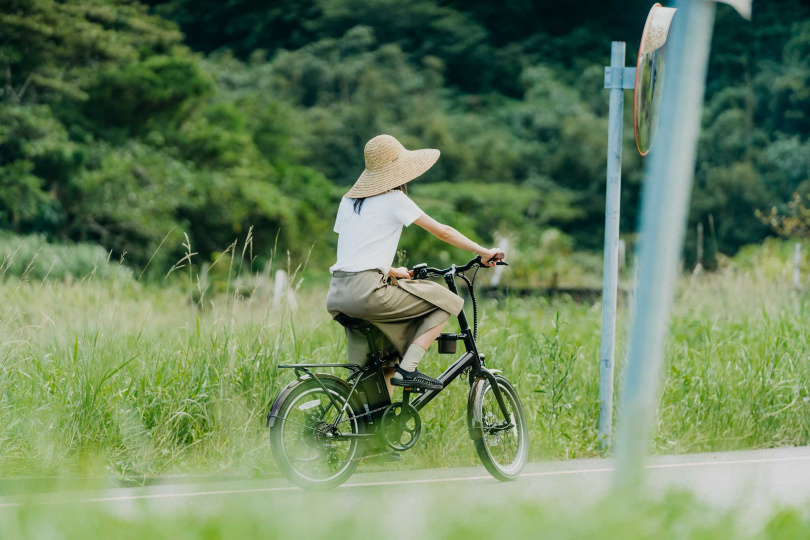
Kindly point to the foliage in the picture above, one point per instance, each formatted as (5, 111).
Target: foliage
(33, 258)
(113, 130)
(51, 49)
(795, 223)
(122, 377)
(453, 511)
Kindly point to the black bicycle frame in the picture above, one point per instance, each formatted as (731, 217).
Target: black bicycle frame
(471, 360)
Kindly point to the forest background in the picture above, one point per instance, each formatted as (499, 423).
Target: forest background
(130, 124)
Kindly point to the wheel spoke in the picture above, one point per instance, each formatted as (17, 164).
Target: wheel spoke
(309, 440)
(503, 444)
(303, 426)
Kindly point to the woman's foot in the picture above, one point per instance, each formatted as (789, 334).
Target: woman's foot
(415, 379)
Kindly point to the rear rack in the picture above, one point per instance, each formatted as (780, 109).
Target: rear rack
(304, 369)
(294, 366)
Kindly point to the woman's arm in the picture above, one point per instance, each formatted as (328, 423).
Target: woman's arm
(455, 238)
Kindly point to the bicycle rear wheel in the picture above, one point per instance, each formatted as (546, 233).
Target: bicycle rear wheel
(502, 442)
(309, 450)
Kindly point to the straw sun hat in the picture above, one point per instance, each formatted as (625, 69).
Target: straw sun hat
(389, 165)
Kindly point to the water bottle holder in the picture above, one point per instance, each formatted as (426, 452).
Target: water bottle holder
(447, 343)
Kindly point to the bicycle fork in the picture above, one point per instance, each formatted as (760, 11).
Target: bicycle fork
(496, 389)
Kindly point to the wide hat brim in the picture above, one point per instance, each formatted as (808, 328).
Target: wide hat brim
(409, 165)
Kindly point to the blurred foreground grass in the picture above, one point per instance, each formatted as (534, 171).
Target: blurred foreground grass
(111, 376)
(428, 515)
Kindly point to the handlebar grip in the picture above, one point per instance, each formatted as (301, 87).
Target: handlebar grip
(500, 256)
(417, 270)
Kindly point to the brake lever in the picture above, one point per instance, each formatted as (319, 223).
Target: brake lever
(418, 271)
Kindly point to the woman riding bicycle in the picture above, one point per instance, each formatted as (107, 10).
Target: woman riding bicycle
(409, 313)
(322, 425)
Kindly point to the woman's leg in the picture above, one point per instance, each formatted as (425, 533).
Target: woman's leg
(406, 373)
(423, 342)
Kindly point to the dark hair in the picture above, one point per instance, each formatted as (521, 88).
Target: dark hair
(358, 202)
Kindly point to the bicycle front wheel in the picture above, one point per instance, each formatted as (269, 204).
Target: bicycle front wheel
(502, 442)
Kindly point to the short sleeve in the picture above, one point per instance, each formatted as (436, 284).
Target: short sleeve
(345, 205)
(405, 210)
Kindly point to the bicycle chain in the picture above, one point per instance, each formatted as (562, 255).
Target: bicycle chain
(369, 413)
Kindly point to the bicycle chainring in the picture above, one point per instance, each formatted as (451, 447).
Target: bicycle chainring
(400, 426)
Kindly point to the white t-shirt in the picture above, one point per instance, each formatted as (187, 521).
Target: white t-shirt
(368, 240)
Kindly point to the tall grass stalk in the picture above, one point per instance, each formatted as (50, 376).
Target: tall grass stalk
(130, 378)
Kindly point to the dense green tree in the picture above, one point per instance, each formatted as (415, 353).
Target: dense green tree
(115, 127)
(53, 48)
(109, 131)
(156, 94)
(242, 26)
(38, 164)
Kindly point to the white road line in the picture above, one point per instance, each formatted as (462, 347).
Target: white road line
(407, 482)
(161, 496)
(729, 462)
(580, 471)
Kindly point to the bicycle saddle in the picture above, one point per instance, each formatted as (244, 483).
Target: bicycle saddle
(352, 323)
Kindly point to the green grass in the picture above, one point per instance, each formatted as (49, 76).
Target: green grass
(32, 258)
(441, 514)
(123, 378)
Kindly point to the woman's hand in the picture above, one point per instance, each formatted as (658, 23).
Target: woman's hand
(487, 254)
(399, 272)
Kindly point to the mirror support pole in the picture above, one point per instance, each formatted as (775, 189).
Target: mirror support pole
(665, 205)
(615, 77)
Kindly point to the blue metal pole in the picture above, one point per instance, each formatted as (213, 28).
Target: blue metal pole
(610, 272)
(665, 206)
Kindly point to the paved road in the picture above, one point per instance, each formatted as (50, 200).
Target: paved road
(743, 481)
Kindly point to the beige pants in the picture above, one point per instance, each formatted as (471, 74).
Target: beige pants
(401, 309)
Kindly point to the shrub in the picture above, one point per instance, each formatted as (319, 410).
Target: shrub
(32, 257)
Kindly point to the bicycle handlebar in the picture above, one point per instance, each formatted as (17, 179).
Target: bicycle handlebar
(422, 271)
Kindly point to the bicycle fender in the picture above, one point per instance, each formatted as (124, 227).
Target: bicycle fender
(475, 424)
(287, 390)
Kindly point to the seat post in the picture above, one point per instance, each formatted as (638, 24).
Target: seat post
(364, 327)
(372, 347)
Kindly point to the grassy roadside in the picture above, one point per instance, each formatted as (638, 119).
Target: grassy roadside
(431, 514)
(116, 377)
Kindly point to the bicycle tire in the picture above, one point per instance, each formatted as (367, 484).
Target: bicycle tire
(310, 387)
(485, 439)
